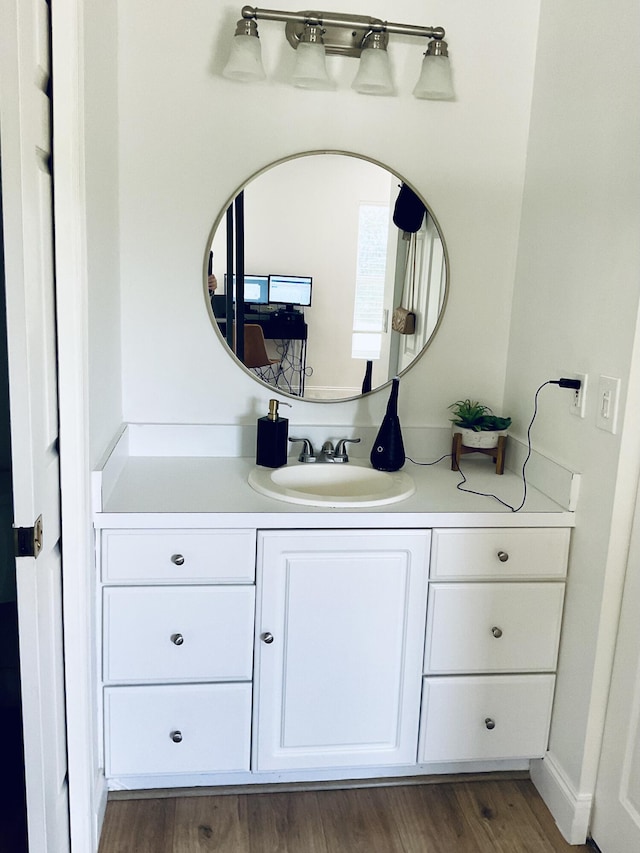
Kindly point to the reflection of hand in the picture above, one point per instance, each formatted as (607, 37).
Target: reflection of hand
(213, 283)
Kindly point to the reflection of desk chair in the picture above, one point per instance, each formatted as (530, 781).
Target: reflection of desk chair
(255, 353)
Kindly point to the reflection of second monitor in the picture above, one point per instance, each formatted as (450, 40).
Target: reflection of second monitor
(292, 291)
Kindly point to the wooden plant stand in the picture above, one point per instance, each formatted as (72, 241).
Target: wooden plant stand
(459, 449)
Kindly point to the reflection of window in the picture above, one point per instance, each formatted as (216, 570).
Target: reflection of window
(368, 309)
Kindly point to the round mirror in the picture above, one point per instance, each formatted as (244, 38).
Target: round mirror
(311, 284)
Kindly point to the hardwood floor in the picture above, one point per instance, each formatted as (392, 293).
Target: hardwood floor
(452, 817)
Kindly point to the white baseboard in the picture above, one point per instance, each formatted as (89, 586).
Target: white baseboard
(570, 810)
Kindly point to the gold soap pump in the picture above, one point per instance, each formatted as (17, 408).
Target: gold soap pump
(272, 438)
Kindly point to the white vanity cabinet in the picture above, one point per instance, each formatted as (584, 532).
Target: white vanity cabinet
(177, 653)
(298, 653)
(493, 629)
(339, 638)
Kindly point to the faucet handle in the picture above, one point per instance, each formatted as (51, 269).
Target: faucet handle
(340, 454)
(307, 454)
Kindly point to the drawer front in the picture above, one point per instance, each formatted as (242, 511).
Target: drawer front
(180, 729)
(493, 627)
(492, 717)
(178, 633)
(178, 556)
(499, 554)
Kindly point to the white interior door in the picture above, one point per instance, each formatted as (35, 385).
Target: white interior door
(25, 140)
(616, 815)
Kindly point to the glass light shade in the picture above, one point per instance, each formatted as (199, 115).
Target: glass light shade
(311, 70)
(435, 79)
(374, 76)
(245, 61)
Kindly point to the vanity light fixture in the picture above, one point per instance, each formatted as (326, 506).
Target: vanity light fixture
(316, 34)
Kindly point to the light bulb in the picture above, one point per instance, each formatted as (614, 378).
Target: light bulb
(374, 76)
(245, 60)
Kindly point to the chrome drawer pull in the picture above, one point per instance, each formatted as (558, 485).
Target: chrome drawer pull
(497, 632)
(177, 639)
(503, 556)
(177, 560)
(489, 723)
(176, 737)
(267, 638)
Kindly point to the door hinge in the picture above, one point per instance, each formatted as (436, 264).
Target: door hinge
(29, 539)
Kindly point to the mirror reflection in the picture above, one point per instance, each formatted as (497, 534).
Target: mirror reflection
(307, 269)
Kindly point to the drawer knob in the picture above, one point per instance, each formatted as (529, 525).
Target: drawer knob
(503, 556)
(267, 638)
(176, 737)
(177, 639)
(489, 723)
(497, 632)
(177, 559)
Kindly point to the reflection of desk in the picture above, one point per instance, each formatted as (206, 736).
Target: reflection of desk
(279, 324)
(289, 330)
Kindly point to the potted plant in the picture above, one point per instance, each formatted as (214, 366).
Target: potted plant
(477, 424)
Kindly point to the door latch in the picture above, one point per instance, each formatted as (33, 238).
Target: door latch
(28, 540)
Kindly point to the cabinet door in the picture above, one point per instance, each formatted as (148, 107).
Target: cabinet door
(339, 648)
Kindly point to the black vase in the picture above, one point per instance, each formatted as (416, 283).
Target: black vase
(387, 453)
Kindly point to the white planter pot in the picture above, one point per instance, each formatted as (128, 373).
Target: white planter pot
(485, 439)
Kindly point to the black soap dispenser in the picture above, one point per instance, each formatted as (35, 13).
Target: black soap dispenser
(387, 453)
(271, 445)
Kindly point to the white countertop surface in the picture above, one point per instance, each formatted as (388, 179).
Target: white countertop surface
(213, 492)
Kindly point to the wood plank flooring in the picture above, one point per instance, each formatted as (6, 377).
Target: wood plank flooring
(453, 817)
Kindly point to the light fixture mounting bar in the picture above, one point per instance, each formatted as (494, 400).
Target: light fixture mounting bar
(342, 34)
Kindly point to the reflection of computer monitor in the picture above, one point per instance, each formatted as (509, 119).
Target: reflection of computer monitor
(256, 288)
(290, 290)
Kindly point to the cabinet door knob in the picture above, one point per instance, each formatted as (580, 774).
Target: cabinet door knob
(177, 639)
(176, 737)
(497, 632)
(267, 638)
(177, 559)
(503, 556)
(489, 723)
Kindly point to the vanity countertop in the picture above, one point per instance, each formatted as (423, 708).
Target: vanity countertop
(146, 491)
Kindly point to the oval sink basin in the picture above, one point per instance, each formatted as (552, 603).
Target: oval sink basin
(332, 485)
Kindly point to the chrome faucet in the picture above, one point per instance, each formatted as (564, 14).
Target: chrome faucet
(328, 452)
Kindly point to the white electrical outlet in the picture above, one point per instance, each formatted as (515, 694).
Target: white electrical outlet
(608, 398)
(579, 399)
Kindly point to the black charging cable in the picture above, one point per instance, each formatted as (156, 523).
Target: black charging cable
(574, 384)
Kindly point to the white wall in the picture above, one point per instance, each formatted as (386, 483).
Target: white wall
(188, 138)
(103, 261)
(575, 308)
